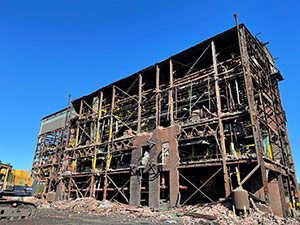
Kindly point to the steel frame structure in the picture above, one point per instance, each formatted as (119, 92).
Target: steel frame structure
(187, 130)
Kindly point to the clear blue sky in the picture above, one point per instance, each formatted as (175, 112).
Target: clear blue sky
(52, 48)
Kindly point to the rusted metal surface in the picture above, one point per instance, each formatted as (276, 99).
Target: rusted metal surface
(136, 171)
(187, 130)
(220, 123)
(251, 104)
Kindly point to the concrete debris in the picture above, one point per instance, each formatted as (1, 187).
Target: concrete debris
(198, 215)
(246, 156)
(220, 213)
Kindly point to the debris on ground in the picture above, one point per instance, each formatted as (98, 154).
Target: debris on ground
(219, 213)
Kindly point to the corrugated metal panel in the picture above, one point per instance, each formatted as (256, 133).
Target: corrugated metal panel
(54, 121)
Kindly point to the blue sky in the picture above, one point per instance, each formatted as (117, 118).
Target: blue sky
(49, 49)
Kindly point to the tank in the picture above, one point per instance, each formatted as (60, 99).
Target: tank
(240, 199)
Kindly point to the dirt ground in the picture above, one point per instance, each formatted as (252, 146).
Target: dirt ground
(48, 216)
(89, 211)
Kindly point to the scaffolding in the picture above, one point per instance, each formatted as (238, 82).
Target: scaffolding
(187, 130)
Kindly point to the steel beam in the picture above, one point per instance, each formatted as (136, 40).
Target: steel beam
(221, 129)
(252, 109)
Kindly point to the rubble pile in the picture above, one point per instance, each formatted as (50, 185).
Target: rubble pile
(80, 204)
(226, 215)
(219, 213)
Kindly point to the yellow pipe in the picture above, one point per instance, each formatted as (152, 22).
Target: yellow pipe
(76, 143)
(270, 151)
(251, 145)
(99, 117)
(108, 162)
(238, 177)
(74, 165)
(110, 133)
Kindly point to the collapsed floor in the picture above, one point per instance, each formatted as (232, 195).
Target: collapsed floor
(188, 130)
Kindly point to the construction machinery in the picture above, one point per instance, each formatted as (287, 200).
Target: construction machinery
(15, 183)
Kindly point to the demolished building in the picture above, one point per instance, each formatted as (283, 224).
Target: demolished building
(187, 130)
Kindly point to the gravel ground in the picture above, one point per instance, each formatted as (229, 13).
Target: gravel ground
(89, 211)
(47, 217)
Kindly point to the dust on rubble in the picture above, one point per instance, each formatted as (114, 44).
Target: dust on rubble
(220, 213)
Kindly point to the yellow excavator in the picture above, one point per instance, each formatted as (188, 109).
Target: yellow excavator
(15, 183)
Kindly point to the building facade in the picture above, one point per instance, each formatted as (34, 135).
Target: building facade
(187, 130)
